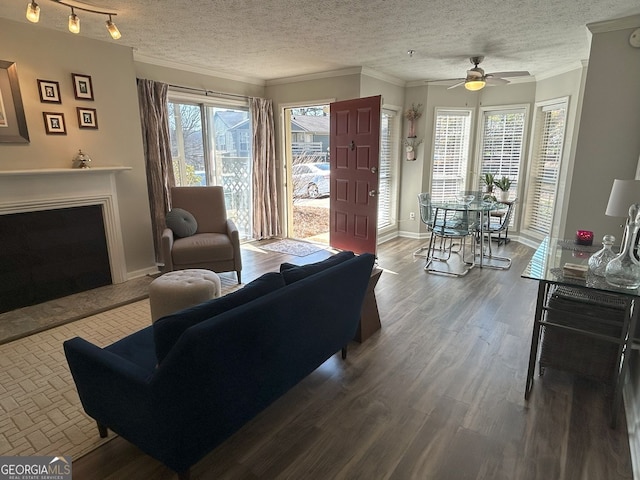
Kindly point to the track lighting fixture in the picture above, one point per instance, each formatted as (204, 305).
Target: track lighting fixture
(113, 30)
(33, 15)
(33, 12)
(74, 22)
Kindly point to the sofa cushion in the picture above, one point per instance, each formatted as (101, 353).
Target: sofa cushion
(292, 273)
(181, 222)
(167, 330)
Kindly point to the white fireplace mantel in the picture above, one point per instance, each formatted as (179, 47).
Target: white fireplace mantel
(48, 189)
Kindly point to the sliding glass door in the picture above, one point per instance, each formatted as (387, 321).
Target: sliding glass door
(211, 145)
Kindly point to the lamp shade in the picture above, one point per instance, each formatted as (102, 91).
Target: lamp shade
(624, 193)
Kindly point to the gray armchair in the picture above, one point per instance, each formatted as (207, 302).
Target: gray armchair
(215, 245)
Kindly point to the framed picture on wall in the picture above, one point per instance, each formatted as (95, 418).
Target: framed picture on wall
(54, 123)
(13, 123)
(49, 91)
(87, 118)
(82, 87)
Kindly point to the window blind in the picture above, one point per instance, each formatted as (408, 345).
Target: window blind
(388, 149)
(547, 155)
(450, 153)
(502, 142)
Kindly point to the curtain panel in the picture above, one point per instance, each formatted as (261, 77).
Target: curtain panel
(266, 221)
(152, 98)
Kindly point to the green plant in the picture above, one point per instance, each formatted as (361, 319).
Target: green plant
(503, 184)
(488, 180)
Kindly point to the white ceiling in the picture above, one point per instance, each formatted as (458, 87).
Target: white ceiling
(270, 39)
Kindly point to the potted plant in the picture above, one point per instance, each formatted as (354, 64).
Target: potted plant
(488, 182)
(504, 184)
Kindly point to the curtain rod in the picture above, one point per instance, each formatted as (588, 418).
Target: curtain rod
(210, 92)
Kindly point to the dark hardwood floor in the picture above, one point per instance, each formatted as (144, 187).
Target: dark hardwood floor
(438, 393)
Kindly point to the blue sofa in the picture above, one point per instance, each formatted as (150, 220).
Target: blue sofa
(180, 387)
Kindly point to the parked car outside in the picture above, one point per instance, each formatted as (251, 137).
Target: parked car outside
(311, 179)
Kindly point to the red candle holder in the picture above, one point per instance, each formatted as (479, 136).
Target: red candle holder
(584, 237)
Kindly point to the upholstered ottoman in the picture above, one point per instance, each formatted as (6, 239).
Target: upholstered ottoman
(180, 289)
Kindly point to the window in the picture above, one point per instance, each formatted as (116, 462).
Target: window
(210, 146)
(450, 152)
(547, 148)
(502, 138)
(388, 164)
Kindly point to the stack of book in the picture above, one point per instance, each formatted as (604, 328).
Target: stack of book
(573, 270)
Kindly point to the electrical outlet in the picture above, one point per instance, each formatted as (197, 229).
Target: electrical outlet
(412, 215)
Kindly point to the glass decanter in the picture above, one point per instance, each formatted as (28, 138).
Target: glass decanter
(624, 269)
(599, 260)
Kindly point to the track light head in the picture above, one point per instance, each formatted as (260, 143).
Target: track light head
(113, 30)
(33, 12)
(74, 22)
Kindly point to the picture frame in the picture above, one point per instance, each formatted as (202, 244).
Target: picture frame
(87, 118)
(82, 86)
(54, 123)
(49, 91)
(13, 123)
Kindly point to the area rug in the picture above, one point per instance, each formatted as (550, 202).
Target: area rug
(40, 411)
(292, 247)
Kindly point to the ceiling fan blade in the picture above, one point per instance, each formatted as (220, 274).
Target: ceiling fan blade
(509, 74)
(456, 85)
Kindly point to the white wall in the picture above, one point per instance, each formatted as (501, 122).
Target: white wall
(608, 145)
(41, 53)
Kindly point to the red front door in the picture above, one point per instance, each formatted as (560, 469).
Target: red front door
(354, 145)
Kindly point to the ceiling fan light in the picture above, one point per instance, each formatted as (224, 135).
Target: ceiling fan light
(474, 85)
(113, 30)
(74, 22)
(33, 12)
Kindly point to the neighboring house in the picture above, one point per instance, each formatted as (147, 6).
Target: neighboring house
(233, 134)
(310, 136)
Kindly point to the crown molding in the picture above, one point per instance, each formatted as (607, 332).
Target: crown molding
(190, 68)
(369, 72)
(623, 23)
(315, 76)
(562, 70)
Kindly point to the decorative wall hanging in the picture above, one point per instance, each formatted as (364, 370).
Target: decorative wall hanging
(49, 91)
(82, 87)
(13, 124)
(87, 118)
(412, 114)
(54, 123)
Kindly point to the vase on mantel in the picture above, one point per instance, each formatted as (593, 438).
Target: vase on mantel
(624, 269)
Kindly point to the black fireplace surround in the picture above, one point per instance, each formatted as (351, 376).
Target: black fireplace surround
(50, 254)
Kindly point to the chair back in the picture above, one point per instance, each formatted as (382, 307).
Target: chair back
(426, 213)
(504, 224)
(206, 204)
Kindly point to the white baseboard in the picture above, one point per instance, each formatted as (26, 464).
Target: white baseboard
(143, 272)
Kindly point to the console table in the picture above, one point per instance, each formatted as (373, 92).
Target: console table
(546, 267)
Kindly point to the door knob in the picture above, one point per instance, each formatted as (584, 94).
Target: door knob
(372, 193)
(374, 170)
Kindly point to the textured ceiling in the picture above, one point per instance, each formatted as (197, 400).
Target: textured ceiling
(271, 39)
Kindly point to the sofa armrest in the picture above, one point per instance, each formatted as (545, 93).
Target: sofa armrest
(166, 246)
(113, 390)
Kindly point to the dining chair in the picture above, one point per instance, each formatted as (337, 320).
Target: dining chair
(445, 226)
(497, 228)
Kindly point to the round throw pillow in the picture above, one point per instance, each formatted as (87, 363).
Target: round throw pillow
(181, 222)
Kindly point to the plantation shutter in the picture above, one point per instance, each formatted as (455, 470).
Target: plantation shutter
(502, 142)
(388, 149)
(547, 155)
(450, 153)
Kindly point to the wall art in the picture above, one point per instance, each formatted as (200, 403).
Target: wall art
(13, 124)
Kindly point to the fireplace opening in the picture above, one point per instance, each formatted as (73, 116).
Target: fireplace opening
(50, 254)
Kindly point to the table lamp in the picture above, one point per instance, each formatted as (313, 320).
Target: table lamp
(624, 193)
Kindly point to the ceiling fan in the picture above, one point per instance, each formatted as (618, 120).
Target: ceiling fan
(476, 79)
